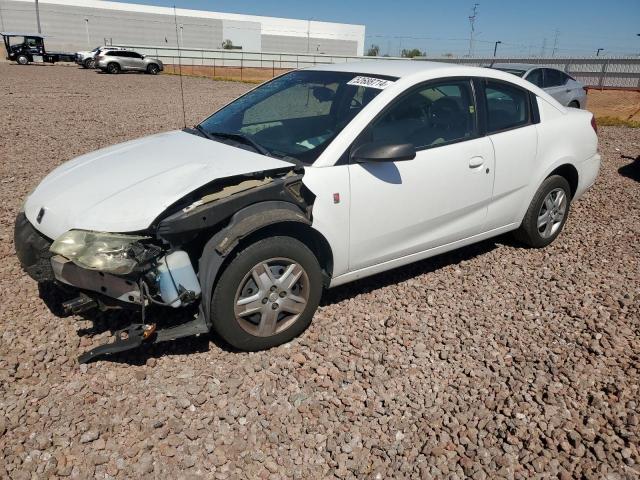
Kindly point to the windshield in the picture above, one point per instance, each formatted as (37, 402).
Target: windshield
(296, 115)
(513, 71)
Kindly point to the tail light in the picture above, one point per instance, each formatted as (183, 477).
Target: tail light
(594, 125)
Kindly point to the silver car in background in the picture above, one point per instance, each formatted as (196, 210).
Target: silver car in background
(117, 61)
(86, 59)
(561, 86)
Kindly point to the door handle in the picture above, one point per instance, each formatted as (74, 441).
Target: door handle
(476, 162)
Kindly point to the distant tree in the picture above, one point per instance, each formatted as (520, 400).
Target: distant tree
(374, 51)
(410, 53)
(227, 44)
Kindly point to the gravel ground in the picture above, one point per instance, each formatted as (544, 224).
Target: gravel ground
(491, 362)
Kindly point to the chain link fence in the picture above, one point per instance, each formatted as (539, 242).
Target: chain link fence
(594, 72)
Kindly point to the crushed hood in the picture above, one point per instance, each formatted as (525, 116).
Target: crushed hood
(125, 187)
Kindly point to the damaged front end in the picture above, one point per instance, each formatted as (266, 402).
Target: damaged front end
(174, 263)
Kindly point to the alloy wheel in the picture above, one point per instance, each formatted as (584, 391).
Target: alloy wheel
(271, 297)
(552, 212)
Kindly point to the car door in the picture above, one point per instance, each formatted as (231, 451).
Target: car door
(123, 59)
(512, 115)
(404, 207)
(137, 61)
(555, 85)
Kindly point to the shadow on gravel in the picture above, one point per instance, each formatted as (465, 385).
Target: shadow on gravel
(113, 320)
(631, 170)
(407, 272)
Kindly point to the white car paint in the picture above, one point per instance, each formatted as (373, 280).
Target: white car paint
(387, 214)
(123, 188)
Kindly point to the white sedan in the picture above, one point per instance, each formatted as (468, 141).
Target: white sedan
(314, 179)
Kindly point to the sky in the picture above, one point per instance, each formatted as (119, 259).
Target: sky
(439, 27)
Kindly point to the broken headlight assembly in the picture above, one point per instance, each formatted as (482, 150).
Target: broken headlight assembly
(106, 252)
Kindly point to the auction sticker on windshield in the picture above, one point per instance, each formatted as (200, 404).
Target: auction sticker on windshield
(370, 82)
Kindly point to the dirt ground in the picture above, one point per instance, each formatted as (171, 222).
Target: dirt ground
(494, 361)
(621, 104)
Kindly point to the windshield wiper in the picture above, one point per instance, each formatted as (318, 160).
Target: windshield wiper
(248, 141)
(238, 137)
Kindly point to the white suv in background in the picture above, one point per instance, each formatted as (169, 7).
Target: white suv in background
(561, 86)
(87, 58)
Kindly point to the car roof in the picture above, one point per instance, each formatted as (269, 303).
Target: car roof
(426, 70)
(522, 66)
(392, 68)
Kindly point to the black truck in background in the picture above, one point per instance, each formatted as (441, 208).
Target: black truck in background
(25, 48)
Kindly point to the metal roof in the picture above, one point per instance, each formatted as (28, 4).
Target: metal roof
(20, 34)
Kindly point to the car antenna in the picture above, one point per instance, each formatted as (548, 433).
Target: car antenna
(175, 19)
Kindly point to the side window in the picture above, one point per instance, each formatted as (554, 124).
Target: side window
(535, 77)
(427, 116)
(135, 55)
(507, 106)
(554, 78)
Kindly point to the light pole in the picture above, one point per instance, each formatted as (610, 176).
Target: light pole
(86, 24)
(598, 51)
(495, 47)
(309, 34)
(38, 16)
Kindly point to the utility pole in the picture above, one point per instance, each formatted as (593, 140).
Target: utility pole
(472, 22)
(308, 33)
(555, 43)
(544, 47)
(1, 19)
(598, 51)
(86, 24)
(38, 16)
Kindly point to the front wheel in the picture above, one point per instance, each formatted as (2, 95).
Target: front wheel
(89, 63)
(113, 68)
(22, 60)
(546, 214)
(267, 294)
(153, 69)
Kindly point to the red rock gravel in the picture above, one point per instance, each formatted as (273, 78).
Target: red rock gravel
(491, 362)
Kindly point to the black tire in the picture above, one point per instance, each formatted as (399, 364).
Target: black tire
(529, 232)
(574, 104)
(224, 296)
(88, 63)
(22, 60)
(113, 68)
(153, 69)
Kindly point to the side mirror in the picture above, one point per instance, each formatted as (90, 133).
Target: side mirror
(384, 152)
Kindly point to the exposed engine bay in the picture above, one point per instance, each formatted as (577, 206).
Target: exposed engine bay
(173, 263)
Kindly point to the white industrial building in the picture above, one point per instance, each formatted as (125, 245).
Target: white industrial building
(81, 24)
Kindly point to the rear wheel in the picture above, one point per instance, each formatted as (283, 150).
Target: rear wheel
(22, 60)
(547, 213)
(113, 68)
(153, 69)
(267, 295)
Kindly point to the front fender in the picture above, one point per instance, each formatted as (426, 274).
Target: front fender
(242, 223)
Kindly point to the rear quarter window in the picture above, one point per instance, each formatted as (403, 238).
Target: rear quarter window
(554, 78)
(508, 106)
